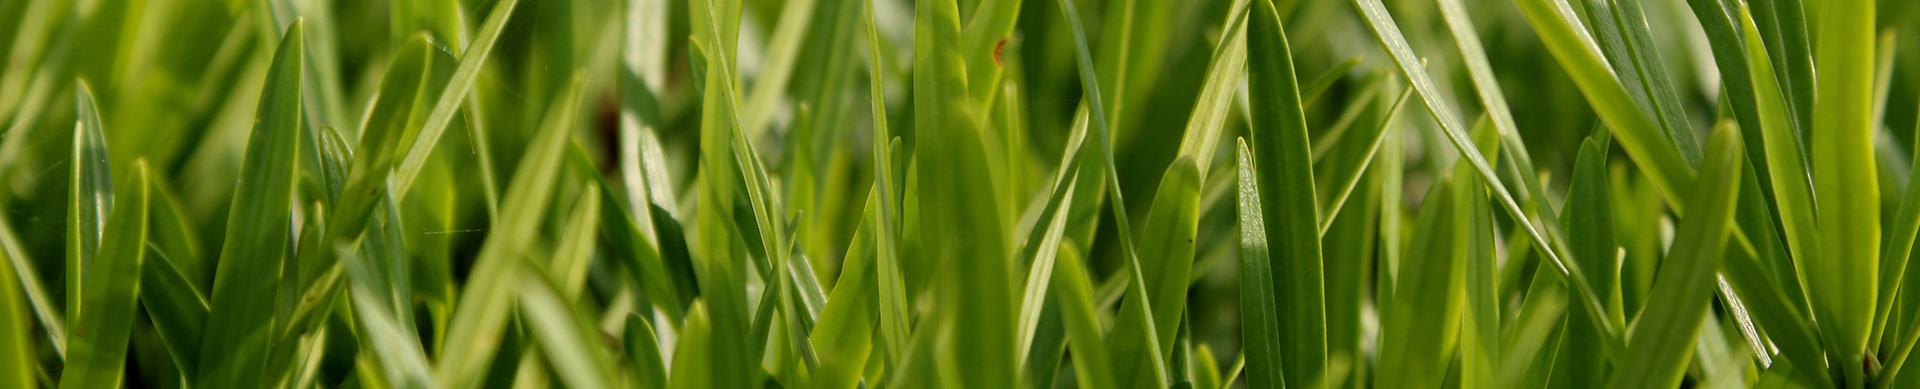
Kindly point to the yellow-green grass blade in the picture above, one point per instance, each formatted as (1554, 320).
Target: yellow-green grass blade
(1283, 154)
(981, 40)
(1259, 304)
(1044, 253)
(573, 253)
(17, 360)
(1621, 30)
(45, 311)
(403, 362)
(843, 336)
(1348, 162)
(1167, 252)
(90, 195)
(783, 49)
(1662, 335)
(1213, 105)
(731, 361)
(1075, 295)
(1846, 193)
(1420, 327)
(481, 312)
(694, 350)
(1589, 221)
(238, 338)
(97, 357)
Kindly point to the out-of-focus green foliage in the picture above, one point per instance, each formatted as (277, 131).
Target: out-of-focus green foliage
(958, 193)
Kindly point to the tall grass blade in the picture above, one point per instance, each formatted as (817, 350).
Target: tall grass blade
(98, 354)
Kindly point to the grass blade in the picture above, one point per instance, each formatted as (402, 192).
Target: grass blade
(90, 194)
(1657, 353)
(1075, 294)
(1259, 317)
(17, 360)
(1284, 155)
(238, 339)
(1845, 189)
(98, 356)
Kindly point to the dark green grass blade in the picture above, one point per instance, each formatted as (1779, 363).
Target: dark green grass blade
(17, 361)
(1664, 333)
(98, 355)
(1284, 155)
(643, 354)
(238, 338)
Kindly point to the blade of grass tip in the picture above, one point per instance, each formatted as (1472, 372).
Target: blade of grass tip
(449, 99)
(17, 359)
(1533, 342)
(1846, 190)
(1588, 217)
(1657, 355)
(1089, 80)
(1233, 372)
(98, 358)
(1091, 363)
(239, 338)
(693, 352)
(570, 344)
(1259, 316)
(1454, 129)
(1283, 153)
(90, 195)
(892, 289)
(643, 354)
(1215, 102)
(482, 313)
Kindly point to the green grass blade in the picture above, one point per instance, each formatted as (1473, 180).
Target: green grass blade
(843, 336)
(1034, 296)
(783, 49)
(238, 338)
(1284, 155)
(1420, 328)
(450, 98)
(44, 309)
(1075, 294)
(1664, 332)
(643, 354)
(1259, 317)
(482, 310)
(1846, 190)
(403, 361)
(573, 254)
(98, 356)
(17, 361)
(570, 345)
(1794, 198)
(692, 351)
(891, 285)
(91, 195)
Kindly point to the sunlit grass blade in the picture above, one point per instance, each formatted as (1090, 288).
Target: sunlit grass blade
(238, 339)
(844, 334)
(403, 361)
(90, 191)
(771, 84)
(1841, 282)
(1075, 294)
(98, 356)
(1663, 333)
(890, 286)
(481, 312)
(450, 98)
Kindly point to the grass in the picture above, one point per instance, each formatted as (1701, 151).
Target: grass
(958, 193)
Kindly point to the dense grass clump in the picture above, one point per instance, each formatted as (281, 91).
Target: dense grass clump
(958, 193)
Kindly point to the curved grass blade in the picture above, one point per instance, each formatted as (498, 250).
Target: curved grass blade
(481, 314)
(449, 99)
(402, 359)
(643, 354)
(1663, 333)
(570, 345)
(238, 338)
(98, 354)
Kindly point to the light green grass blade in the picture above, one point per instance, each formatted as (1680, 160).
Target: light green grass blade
(44, 309)
(403, 362)
(981, 41)
(695, 348)
(1284, 156)
(1045, 255)
(1349, 161)
(1420, 328)
(1589, 220)
(481, 312)
(843, 336)
(891, 287)
(1794, 198)
(573, 254)
(1846, 192)
(1259, 304)
(722, 266)
(97, 358)
(238, 339)
(1663, 333)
